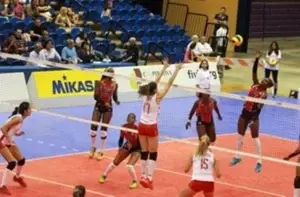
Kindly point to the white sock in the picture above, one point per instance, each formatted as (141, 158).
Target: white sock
(151, 168)
(18, 170)
(258, 148)
(132, 172)
(144, 168)
(296, 192)
(102, 143)
(239, 145)
(93, 135)
(5, 175)
(109, 168)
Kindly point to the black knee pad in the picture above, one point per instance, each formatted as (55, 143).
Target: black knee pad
(153, 156)
(144, 155)
(297, 182)
(94, 127)
(103, 128)
(21, 162)
(11, 165)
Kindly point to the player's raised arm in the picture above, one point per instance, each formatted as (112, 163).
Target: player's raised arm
(163, 93)
(254, 68)
(161, 73)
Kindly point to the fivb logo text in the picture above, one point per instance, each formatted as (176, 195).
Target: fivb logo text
(192, 74)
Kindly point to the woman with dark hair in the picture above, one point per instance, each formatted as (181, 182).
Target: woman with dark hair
(148, 129)
(250, 115)
(205, 124)
(105, 91)
(130, 148)
(8, 148)
(79, 191)
(49, 52)
(203, 76)
(272, 64)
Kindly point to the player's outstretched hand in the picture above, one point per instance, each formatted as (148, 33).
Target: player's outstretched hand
(179, 66)
(187, 125)
(220, 118)
(20, 133)
(166, 62)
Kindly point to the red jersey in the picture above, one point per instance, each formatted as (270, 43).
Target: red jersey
(106, 90)
(255, 92)
(205, 110)
(132, 138)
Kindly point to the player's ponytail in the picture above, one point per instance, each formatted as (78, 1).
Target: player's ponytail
(24, 106)
(148, 89)
(15, 112)
(203, 145)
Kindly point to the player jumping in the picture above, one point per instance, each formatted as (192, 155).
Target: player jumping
(105, 91)
(204, 108)
(250, 114)
(130, 148)
(9, 149)
(148, 131)
(203, 162)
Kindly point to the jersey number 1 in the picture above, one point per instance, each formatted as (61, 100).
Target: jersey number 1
(147, 108)
(204, 164)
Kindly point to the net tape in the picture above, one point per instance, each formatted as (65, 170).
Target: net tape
(189, 88)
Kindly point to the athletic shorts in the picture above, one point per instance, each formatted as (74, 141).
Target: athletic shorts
(200, 122)
(148, 130)
(133, 149)
(100, 107)
(249, 116)
(202, 186)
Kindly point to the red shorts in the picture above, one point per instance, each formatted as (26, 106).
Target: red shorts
(199, 186)
(148, 130)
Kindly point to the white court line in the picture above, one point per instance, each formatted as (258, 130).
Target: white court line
(280, 138)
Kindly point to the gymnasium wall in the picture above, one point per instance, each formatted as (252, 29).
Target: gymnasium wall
(210, 8)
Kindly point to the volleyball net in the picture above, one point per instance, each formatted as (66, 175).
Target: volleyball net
(279, 120)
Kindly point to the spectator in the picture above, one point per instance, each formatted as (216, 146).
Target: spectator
(196, 50)
(86, 54)
(204, 47)
(35, 54)
(19, 10)
(6, 8)
(190, 56)
(49, 53)
(45, 37)
(74, 18)
(21, 42)
(63, 19)
(43, 10)
(69, 53)
(79, 191)
(37, 30)
(272, 64)
(221, 39)
(108, 5)
(132, 53)
(82, 37)
(220, 18)
(9, 45)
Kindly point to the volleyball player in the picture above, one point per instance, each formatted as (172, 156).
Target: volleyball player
(250, 114)
(131, 148)
(8, 148)
(203, 162)
(297, 177)
(204, 107)
(105, 92)
(148, 131)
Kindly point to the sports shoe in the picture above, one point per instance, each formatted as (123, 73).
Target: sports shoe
(235, 161)
(144, 182)
(20, 180)
(258, 167)
(100, 156)
(4, 190)
(150, 184)
(133, 185)
(92, 152)
(102, 179)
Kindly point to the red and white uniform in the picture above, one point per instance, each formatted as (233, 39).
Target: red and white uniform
(205, 110)
(255, 92)
(149, 117)
(106, 91)
(13, 131)
(203, 176)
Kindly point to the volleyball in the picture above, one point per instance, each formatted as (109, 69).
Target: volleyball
(237, 40)
(272, 62)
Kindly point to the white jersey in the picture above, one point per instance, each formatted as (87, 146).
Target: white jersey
(203, 167)
(14, 130)
(272, 57)
(150, 110)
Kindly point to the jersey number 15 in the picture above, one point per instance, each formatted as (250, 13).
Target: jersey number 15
(204, 164)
